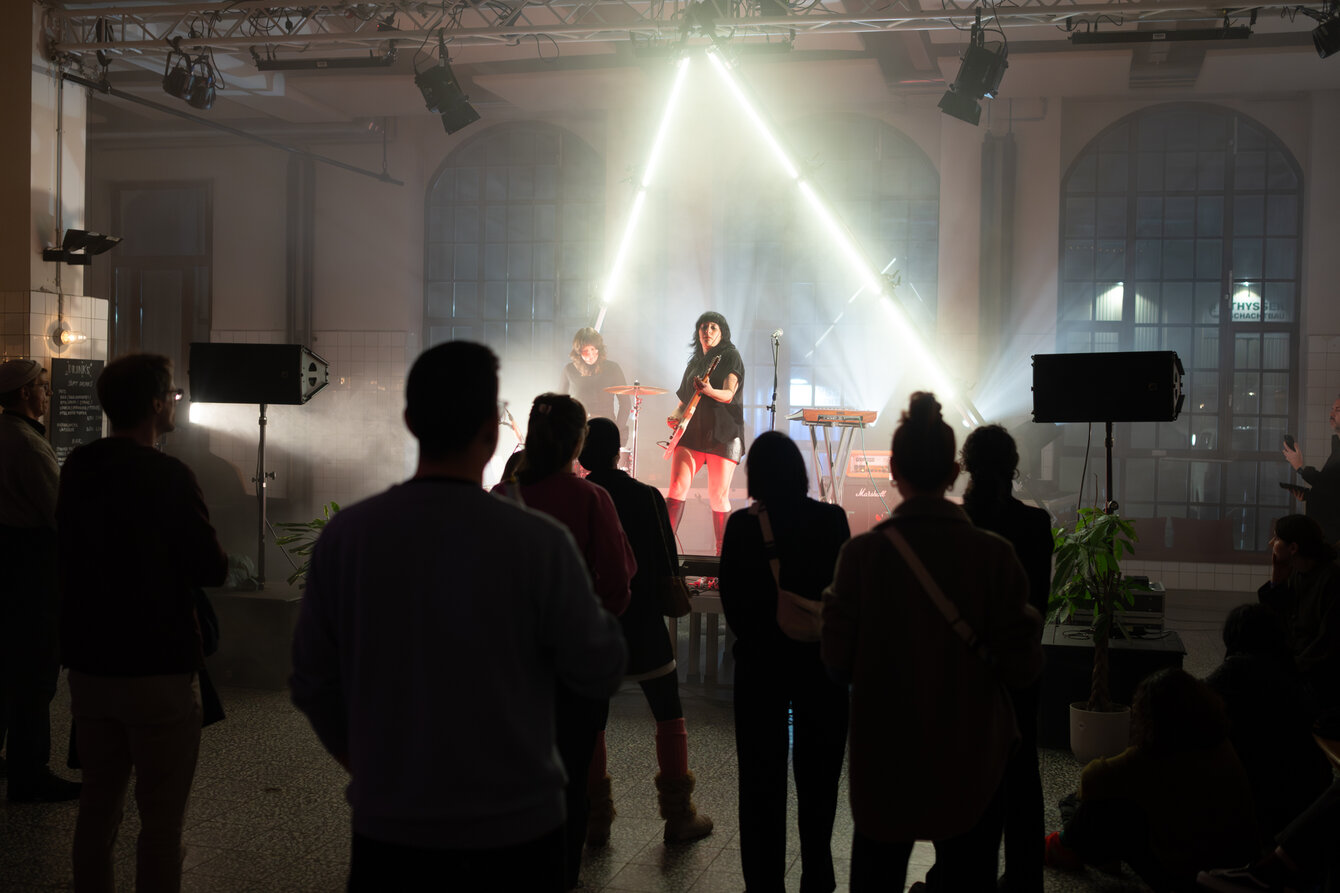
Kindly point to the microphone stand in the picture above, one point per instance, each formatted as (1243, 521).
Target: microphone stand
(772, 407)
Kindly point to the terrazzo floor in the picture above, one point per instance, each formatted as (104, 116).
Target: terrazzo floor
(267, 811)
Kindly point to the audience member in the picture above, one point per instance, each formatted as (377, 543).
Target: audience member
(783, 694)
(135, 542)
(1304, 588)
(29, 602)
(992, 460)
(929, 618)
(427, 653)
(1306, 858)
(1175, 802)
(554, 437)
(651, 657)
(1269, 723)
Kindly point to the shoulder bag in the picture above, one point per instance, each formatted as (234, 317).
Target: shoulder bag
(800, 618)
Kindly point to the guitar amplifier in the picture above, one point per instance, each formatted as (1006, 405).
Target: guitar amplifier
(868, 502)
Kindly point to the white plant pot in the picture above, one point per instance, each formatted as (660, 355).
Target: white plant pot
(1095, 733)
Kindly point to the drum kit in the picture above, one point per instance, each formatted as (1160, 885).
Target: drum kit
(637, 391)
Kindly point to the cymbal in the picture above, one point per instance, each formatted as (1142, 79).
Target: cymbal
(635, 390)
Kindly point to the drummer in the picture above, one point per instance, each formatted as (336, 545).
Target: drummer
(588, 375)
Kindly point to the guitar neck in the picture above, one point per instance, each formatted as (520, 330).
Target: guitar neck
(688, 411)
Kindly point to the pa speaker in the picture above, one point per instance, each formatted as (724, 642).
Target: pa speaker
(1135, 386)
(287, 374)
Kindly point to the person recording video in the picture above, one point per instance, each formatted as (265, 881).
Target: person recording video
(1322, 501)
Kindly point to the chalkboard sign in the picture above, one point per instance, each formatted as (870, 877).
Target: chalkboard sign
(75, 416)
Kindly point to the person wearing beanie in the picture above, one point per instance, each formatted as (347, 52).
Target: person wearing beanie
(29, 606)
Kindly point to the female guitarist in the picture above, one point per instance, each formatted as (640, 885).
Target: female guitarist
(711, 432)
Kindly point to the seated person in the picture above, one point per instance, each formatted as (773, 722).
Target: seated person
(1269, 722)
(1174, 802)
(1304, 589)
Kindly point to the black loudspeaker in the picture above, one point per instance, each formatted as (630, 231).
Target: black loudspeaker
(286, 374)
(1135, 386)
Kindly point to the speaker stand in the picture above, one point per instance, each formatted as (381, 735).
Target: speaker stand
(1110, 505)
(261, 480)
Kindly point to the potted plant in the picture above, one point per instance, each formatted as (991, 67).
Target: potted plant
(301, 539)
(1088, 577)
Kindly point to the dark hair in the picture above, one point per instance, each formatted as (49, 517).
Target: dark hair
(556, 428)
(513, 465)
(711, 316)
(452, 392)
(1174, 711)
(129, 385)
(602, 445)
(1307, 535)
(1252, 628)
(923, 445)
(774, 469)
(992, 461)
(585, 337)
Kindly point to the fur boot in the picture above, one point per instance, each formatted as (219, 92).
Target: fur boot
(602, 812)
(682, 819)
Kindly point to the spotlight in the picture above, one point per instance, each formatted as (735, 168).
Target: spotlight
(192, 81)
(978, 77)
(78, 247)
(1326, 37)
(443, 95)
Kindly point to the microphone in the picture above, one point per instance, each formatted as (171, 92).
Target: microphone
(776, 334)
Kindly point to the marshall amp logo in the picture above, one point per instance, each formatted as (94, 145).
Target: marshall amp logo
(870, 493)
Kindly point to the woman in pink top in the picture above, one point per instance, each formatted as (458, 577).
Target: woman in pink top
(554, 437)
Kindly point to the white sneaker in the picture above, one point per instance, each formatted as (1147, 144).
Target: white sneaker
(1237, 880)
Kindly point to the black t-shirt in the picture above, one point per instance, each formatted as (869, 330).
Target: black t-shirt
(724, 421)
(590, 389)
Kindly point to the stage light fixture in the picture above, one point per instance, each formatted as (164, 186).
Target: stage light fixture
(1326, 36)
(443, 95)
(78, 247)
(978, 77)
(193, 81)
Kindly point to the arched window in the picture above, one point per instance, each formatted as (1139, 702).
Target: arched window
(1180, 231)
(515, 227)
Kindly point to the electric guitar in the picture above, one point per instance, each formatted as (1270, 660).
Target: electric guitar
(688, 410)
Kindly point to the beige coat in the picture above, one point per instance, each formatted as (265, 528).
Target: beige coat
(931, 723)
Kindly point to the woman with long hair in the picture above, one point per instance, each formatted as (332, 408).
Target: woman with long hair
(651, 657)
(929, 618)
(784, 698)
(992, 462)
(715, 433)
(1175, 802)
(588, 372)
(554, 438)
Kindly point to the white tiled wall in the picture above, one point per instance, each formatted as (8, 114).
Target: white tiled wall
(28, 319)
(1321, 381)
(1211, 577)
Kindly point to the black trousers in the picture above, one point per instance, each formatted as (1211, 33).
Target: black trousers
(537, 865)
(577, 722)
(963, 864)
(1024, 823)
(768, 693)
(29, 661)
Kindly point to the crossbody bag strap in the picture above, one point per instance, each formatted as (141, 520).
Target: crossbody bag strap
(769, 547)
(947, 607)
